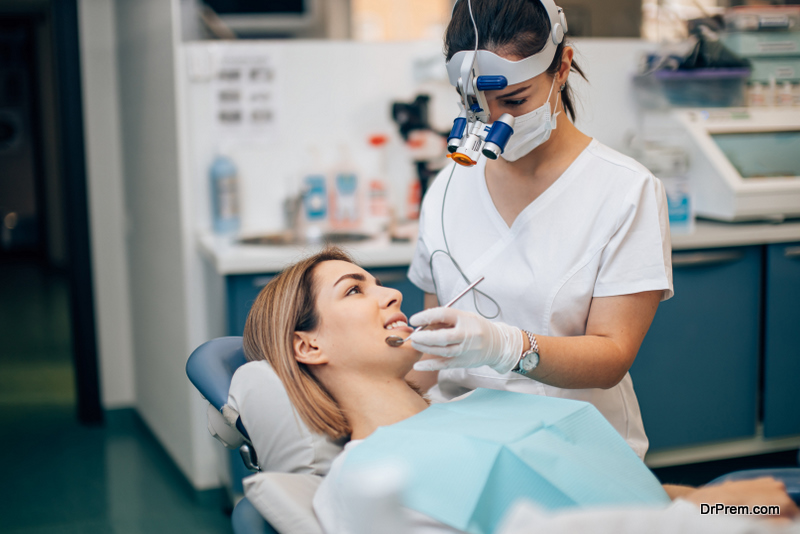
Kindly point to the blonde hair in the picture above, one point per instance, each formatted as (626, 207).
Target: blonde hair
(287, 305)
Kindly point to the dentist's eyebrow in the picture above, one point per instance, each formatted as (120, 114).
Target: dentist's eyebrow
(356, 276)
(512, 93)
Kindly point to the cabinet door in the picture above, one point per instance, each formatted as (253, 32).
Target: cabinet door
(781, 342)
(243, 290)
(696, 375)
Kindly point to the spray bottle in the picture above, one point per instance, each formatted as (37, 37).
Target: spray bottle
(224, 195)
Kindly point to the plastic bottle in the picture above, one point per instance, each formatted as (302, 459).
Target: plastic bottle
(772, 92)
(377, 213)
(224, 195)
(414, 199)
(315, 201)
(756, 97)
(345, 201)
(786, 96)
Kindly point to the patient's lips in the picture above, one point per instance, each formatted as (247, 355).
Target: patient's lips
(397, 321)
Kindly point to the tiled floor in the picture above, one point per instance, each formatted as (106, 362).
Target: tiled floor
(57, 476)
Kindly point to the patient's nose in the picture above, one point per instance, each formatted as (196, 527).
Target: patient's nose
(390, 297)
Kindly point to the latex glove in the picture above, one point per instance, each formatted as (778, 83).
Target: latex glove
(467, 340)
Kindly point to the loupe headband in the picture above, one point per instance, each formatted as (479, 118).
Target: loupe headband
(490, 64)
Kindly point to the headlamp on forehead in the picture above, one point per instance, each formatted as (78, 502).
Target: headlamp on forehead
(474, 71)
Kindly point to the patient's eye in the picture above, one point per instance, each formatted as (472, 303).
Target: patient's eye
(353, 290)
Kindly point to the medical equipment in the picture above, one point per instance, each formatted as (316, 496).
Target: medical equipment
(744, 163)
(473, 72)
(396, 341)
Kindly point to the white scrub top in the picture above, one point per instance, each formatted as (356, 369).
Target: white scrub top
(601, 229)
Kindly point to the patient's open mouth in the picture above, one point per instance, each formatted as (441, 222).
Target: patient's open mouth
(396, 324)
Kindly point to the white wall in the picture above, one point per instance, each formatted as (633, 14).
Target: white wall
(106, 209)
(606, 106)
(150, 284)
(160, 246)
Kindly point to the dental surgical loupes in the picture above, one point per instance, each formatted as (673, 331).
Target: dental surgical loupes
(396, 341)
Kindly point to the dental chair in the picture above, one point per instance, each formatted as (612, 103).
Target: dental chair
(210, 368)
(250, 410)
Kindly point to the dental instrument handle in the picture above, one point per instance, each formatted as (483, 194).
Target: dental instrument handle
(396, 341)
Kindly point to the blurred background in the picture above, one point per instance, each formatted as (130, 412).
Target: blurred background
(161, 159)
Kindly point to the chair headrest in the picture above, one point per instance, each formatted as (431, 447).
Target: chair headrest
(211, 366)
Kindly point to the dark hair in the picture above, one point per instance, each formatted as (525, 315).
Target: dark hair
(516, 27)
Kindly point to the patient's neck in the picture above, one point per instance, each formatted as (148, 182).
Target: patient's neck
(369, 402)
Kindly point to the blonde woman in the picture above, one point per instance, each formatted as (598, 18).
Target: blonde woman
(321, 324)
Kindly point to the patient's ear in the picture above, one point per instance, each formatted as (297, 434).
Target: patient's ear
(307, 350)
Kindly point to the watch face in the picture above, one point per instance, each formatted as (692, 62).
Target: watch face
(529, 362)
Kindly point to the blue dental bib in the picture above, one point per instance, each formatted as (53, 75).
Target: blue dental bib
(468, 461)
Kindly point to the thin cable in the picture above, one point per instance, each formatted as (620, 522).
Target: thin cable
(446, 252)
(475, 27)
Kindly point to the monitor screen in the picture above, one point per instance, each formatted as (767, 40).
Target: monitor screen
(762, 154)
(257, 7)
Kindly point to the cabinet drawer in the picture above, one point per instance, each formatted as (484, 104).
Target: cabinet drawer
(781, 341)
(696, 375)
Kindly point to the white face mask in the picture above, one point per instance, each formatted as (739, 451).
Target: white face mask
(531, 129)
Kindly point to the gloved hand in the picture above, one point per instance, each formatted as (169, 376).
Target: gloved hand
(467, 340)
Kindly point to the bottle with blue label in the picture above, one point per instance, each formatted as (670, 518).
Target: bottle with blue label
(315, 206)
(224, 195)
(345, 208)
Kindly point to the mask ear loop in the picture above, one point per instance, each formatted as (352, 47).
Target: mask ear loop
(555, 111)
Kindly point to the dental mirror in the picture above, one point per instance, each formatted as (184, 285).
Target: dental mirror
(396, 341)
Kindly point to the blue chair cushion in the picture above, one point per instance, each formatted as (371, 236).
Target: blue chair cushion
(211, 366)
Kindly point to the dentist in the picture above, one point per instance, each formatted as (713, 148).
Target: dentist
(572, 237)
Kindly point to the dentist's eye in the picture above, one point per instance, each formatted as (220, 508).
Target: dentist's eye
(514, 103)
(353, 290)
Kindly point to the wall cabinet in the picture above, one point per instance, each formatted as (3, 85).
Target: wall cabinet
(722, 348)
(782, 341)
(696, 375)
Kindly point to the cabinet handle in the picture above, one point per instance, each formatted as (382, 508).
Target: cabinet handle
(694, 259)
(791, 252)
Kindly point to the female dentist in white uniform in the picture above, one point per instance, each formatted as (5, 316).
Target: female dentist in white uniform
(571, 236)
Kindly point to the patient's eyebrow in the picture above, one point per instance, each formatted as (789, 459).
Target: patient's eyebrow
(356, 276)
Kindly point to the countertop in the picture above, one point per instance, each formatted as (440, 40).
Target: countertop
(229, 257)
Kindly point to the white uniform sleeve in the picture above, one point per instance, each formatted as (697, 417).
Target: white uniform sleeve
(638, 257)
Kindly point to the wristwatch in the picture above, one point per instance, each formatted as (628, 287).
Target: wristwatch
(530, 358)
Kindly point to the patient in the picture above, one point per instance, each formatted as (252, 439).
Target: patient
(322, 324)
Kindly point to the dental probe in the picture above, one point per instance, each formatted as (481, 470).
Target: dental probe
(396, 341)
